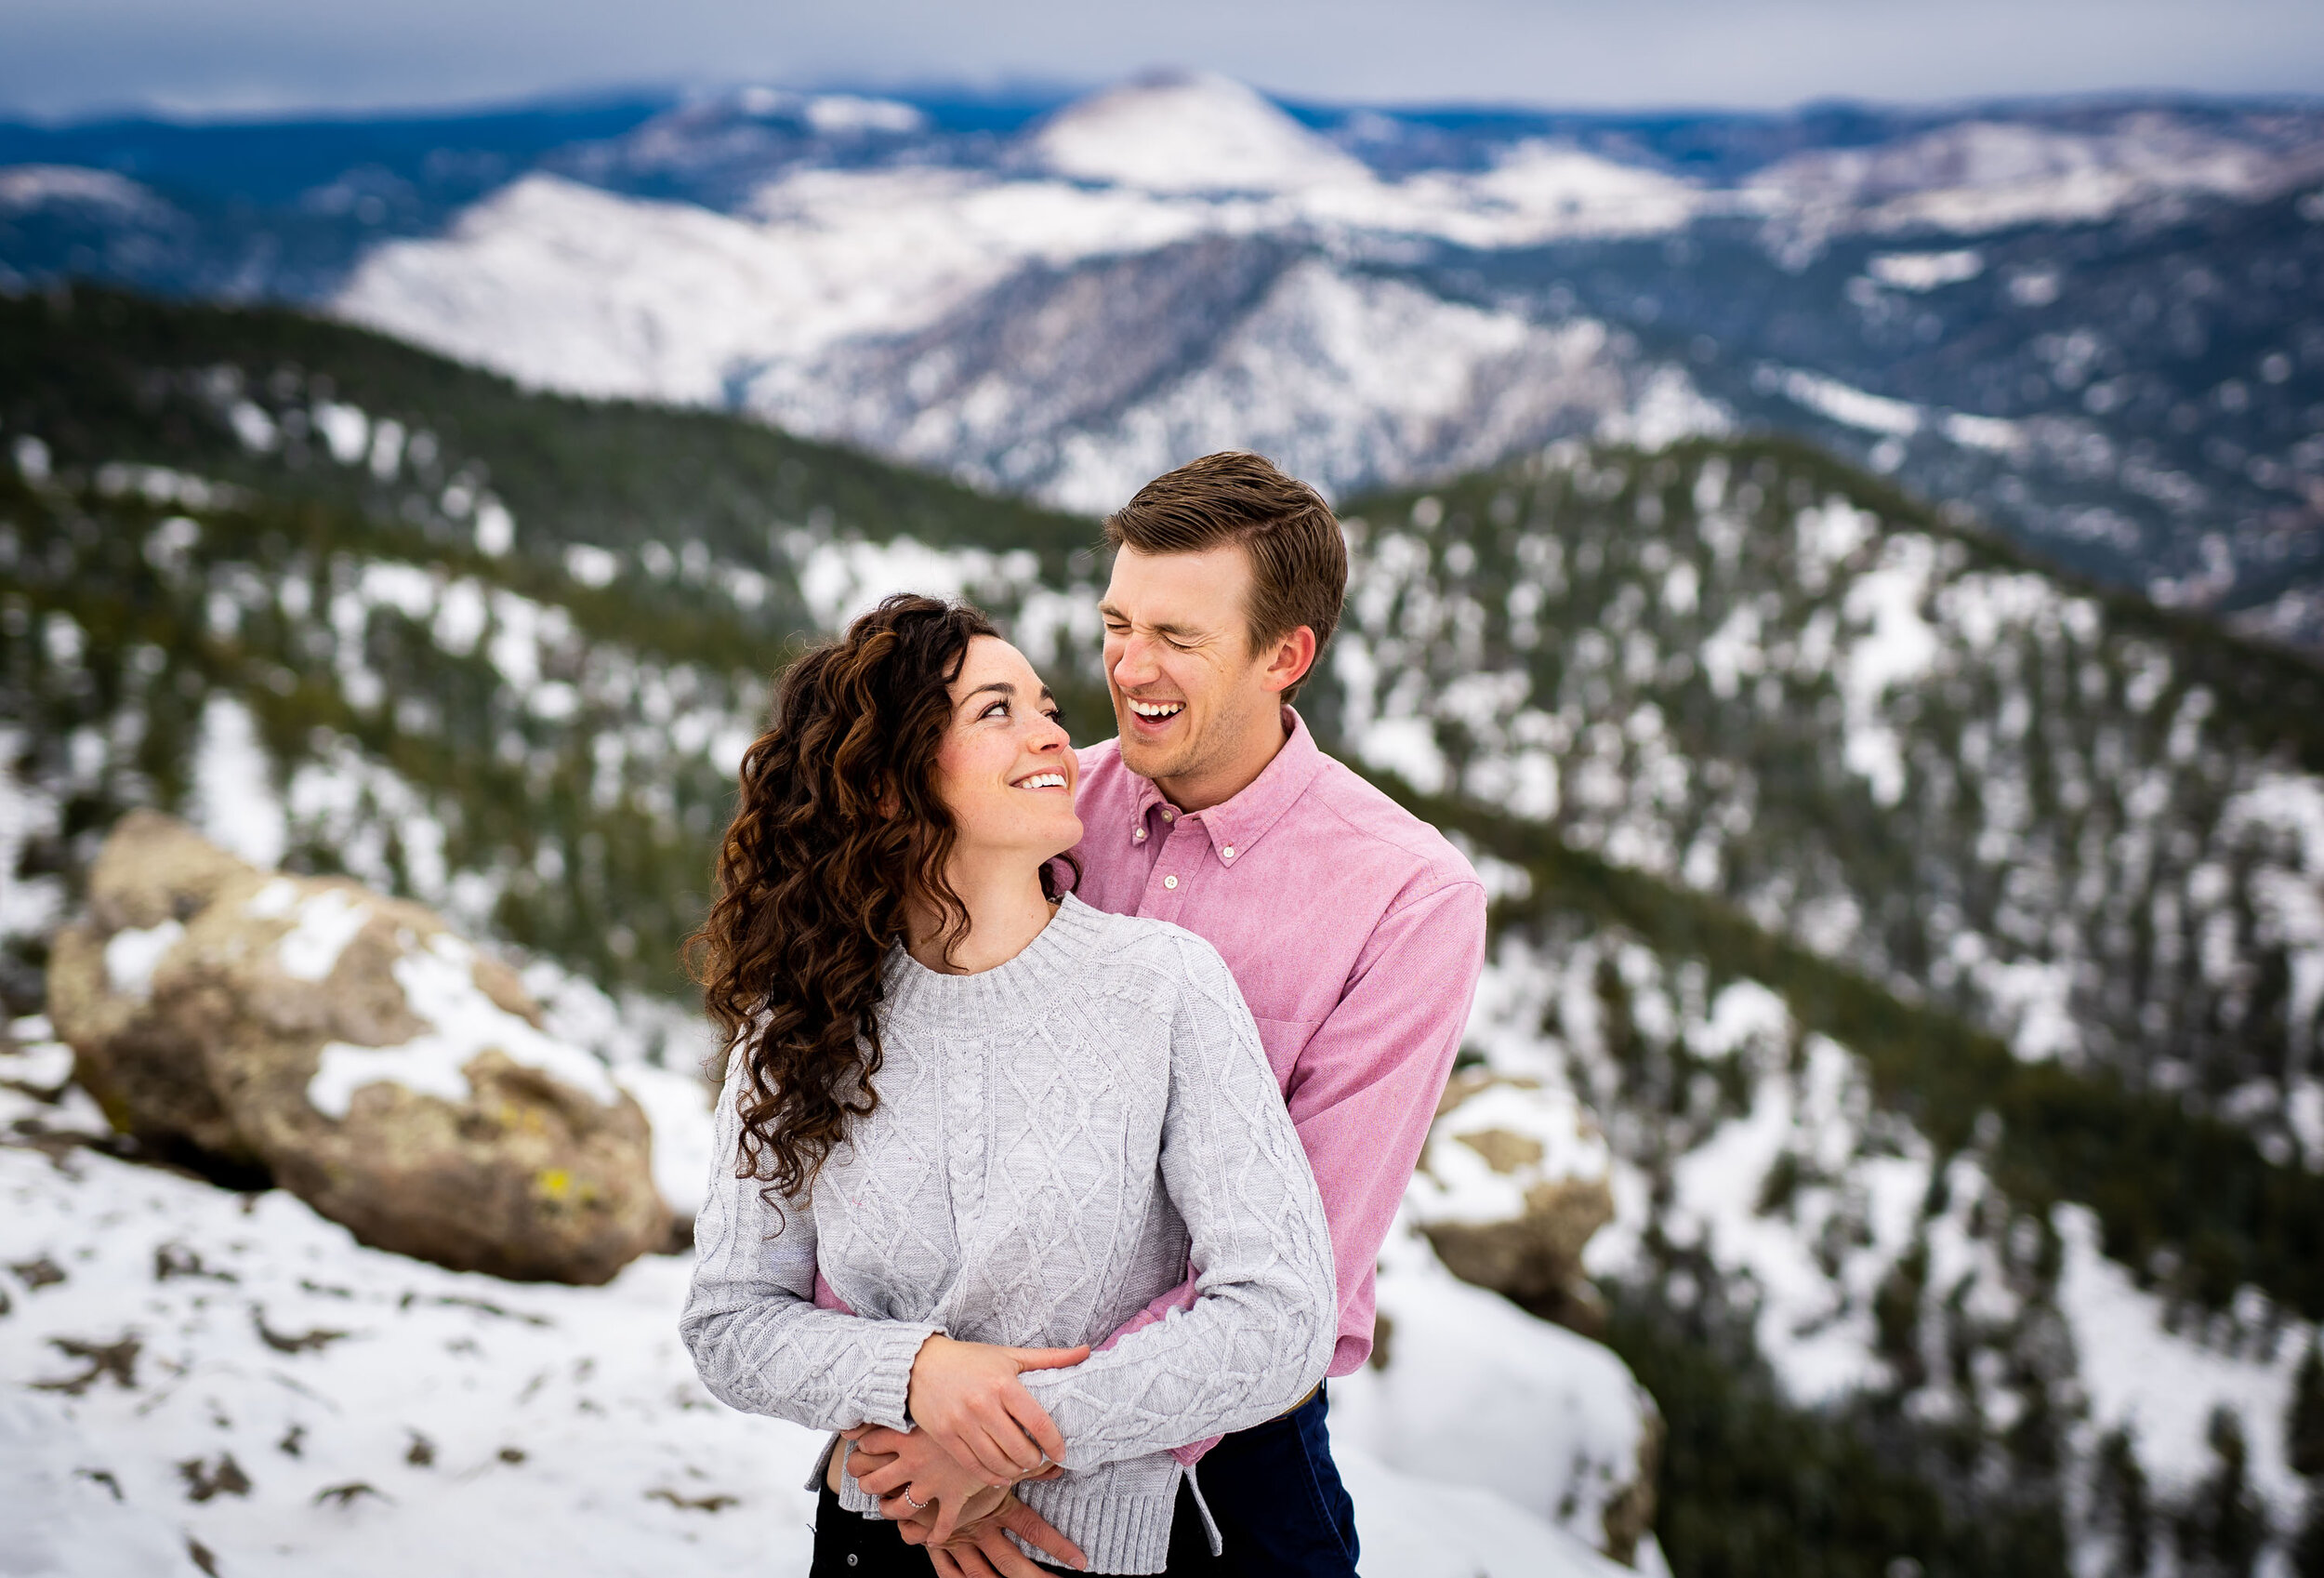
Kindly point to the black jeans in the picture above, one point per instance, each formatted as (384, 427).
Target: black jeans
(1282, 1513)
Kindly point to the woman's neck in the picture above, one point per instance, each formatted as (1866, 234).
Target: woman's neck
(1006, 911)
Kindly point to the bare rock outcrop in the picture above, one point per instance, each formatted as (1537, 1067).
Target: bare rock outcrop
(355, 1049)
(1512, 1183)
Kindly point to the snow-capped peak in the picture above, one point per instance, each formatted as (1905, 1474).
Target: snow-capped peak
(1188, 133)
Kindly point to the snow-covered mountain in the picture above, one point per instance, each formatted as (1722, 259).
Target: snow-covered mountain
(1166, 269)
(2092, 324)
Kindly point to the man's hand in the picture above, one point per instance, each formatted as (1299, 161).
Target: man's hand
(982, 1549)
(967, 1397)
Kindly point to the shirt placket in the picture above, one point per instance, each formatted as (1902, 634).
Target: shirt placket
(1166, 879)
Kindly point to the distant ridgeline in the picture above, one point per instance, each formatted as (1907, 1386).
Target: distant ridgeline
(1999, 902)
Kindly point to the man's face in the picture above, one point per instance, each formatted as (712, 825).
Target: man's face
(1186, 685)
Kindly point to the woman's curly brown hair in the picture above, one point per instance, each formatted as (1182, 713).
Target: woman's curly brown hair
(840, 823)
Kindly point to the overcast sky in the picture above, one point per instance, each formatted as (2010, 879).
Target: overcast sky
(64, 58)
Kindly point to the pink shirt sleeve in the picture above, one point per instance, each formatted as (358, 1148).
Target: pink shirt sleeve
(1365, 1092)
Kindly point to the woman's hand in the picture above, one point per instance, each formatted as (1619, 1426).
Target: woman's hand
(917, 1482)
(983, 1550)
(967, 1397)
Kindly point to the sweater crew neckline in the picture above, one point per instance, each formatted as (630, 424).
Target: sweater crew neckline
(1057, 952)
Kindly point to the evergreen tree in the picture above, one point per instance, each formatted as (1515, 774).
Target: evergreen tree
(2223, 1527)
(2304, 1429)
(2122, 1510)
(2307, 1548)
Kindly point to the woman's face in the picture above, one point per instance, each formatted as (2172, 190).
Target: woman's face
(1005, 769)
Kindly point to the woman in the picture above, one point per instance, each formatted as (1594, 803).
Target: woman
(990, 1117)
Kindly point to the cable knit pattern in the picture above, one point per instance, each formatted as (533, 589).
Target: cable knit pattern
(1056, 1141)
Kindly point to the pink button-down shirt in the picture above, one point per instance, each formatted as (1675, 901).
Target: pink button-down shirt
(1356, 932)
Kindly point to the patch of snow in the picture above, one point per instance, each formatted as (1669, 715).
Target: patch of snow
(253, 427)
(1412, 1526)
(234, 802)
(496, 528)
(438, 984)
(2304, 1112)
(1898, 646)
(461, 1425)
(66, 1517)
(593, 567)
(29, 906)
(327, 922)
(1565, 1415)
(1974, 176)
(26, 187)
(678, 1104)
(1846, 405)
(132, 954)
(1925, 271)
(450, 1422)
(1457, 1184)
(2164, 1385)
(1994, 434)
(346, 430)
(840, 581)
(1186, 134)
(836, 114)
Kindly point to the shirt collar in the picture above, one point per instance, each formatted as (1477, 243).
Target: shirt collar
(1235, 824)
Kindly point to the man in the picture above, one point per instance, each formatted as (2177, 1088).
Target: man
(1355, 930)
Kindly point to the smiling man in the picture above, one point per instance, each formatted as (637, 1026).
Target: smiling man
(1355, 930)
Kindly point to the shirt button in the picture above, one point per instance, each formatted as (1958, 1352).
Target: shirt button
(1228, 852)
(1168, 815)
(1170, 882)
(1139, 836)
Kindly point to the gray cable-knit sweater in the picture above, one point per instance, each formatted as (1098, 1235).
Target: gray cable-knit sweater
(1056, 1140)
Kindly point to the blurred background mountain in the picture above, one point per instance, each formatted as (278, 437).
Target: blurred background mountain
(2092, 324)
(1852, 576)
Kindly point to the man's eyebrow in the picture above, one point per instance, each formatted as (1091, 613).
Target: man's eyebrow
(1184, 632)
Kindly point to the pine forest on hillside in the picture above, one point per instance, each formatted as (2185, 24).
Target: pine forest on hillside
(1939, 940)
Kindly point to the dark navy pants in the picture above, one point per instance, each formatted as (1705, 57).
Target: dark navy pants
(1278, 1500)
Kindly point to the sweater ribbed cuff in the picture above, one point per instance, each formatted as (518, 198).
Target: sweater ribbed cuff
(888, 1383)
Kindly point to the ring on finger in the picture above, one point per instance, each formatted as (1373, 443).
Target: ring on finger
(917, 1506)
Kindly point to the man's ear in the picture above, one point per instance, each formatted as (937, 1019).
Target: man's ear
(1293, 656)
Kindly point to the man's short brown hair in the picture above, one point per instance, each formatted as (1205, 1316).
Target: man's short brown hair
(1298, 560)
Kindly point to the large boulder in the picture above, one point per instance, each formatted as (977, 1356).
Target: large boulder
(1512, 1184)
(355, 1049)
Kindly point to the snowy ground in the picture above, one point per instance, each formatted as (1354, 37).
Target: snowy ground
(190, 1375)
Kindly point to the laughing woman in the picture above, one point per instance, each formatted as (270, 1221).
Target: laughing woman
(996, 1122)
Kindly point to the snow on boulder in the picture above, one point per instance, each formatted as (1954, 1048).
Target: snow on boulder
(1512, 1184)
(357, 1052)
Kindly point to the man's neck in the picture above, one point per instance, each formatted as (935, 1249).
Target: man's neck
(1006, 911)
(1215, 784)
